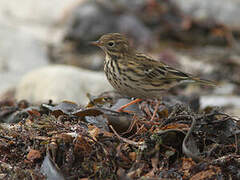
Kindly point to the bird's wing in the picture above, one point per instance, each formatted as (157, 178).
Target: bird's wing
(156, 70)
(149, 71)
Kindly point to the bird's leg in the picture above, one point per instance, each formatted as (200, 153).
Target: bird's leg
(128, 104)
(155, 110)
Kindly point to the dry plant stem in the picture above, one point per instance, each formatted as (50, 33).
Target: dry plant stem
(236, 143)
(133, 123)
(139, 129)
(128, 104)
(185, 149)
(155, 111)
(152, 123)
(146, 109)
(125, 139)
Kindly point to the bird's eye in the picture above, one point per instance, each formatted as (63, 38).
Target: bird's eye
(111, 43)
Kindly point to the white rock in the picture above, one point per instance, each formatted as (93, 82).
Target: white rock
(61, 82)
(26, 28)
(220, 100)
(43, 11)
(225, 89)
(20, 52)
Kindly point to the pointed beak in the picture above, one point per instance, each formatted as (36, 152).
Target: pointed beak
(95, 43)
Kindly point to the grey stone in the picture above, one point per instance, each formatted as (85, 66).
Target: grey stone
(91, 19)
(61, 82)
(220, 11)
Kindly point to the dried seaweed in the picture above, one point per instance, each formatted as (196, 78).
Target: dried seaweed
(99, 143)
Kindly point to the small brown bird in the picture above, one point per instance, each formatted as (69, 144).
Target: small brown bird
(137, 75)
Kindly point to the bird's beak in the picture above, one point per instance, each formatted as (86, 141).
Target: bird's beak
(95, 43)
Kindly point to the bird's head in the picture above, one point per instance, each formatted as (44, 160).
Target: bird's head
(113, 44)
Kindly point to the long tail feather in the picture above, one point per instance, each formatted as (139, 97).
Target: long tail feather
(205, 82)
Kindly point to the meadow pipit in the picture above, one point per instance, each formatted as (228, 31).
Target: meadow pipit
(137, 75)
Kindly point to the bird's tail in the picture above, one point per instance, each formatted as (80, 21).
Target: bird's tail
(204, 82)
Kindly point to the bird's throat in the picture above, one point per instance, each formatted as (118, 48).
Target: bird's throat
(113, 57)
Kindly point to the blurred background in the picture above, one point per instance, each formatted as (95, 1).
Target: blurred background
(44, 50)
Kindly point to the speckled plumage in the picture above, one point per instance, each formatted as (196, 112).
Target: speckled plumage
(135, 74)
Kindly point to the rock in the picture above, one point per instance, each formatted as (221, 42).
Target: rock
(87, 22)
(61, 82)
(20, 52)
(42, 12)
(25, 30)
(225, 89)
(220, 100)
(220, 11)
(91, 19)
(229, 104)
